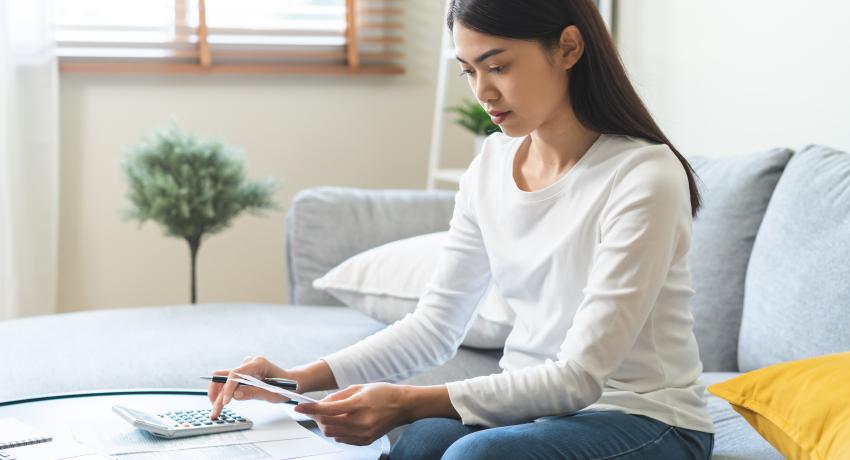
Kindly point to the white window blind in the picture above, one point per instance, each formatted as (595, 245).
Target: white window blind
(302, 36)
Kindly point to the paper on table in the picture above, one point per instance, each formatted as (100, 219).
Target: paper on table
(277, 450)
(296, 448)
(118, 437)
(15, 433)
(234, 452)
(249, 380)
(55, 450)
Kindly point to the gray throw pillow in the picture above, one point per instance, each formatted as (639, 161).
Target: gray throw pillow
(797, 302)
(735, 192)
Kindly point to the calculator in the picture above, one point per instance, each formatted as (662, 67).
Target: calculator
(179, 424)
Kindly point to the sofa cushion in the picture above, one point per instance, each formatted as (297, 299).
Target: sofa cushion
(327, 225)
(169, 347)
(735, 191)
(797, 301)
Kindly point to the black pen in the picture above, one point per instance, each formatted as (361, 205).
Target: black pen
(274, 381)
(278, 382)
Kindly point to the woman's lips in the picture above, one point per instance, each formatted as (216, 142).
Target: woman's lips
(500, 118)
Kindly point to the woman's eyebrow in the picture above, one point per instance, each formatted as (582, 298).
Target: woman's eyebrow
(484, 56)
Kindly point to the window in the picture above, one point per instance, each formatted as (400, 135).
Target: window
(287, 36)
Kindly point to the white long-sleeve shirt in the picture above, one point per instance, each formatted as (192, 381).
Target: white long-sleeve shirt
(594, 267)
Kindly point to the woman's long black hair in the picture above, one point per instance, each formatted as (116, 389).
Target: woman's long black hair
(601, 94)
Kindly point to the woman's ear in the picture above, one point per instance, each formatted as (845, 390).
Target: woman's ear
(571, 47)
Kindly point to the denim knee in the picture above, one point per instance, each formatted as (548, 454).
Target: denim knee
(427, 439)
(484, 445)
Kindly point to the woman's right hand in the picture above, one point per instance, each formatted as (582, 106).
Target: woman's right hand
(220, 394)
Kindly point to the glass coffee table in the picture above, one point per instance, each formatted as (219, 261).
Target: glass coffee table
(57, 415)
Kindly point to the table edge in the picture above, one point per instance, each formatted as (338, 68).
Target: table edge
(109, 392)
(385, 443)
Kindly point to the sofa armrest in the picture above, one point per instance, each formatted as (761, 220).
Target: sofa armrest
(327, 225)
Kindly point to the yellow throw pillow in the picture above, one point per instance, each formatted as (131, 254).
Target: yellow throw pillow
(800, 407)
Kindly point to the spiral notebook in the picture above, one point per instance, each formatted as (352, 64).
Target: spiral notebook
(14, 433)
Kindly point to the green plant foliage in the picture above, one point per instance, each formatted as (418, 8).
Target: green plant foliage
(192, 187)
(473, 117)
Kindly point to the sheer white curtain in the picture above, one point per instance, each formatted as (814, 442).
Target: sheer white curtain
(29, 159)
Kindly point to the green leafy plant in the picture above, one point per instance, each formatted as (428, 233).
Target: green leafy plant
(473, 117)
(192, 187)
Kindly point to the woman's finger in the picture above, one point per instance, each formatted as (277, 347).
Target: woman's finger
(217, 405)
(226, 393)
(213, 389)
(337, 420)
(354, 441)
(327, 408)
(342, 394)
(231, 385)
(332, 431)
(246, 392)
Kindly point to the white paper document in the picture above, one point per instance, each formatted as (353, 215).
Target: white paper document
(271, 450)
(254, 382)
(235, 452)
(116, 437)
(55, 450)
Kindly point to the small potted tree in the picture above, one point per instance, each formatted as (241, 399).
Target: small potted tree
(475, 119)
(191, 187)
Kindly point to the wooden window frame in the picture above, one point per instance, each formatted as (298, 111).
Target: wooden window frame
(203, 62)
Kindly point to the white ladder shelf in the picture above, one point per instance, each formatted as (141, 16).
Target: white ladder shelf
(435, 172)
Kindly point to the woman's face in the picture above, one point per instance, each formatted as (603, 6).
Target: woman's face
(514, 76)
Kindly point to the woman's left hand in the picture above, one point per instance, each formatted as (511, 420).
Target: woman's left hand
(359, 414)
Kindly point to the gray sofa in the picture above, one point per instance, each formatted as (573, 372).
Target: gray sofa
(769, 264)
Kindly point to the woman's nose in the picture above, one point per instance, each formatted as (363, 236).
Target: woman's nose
(485, 91)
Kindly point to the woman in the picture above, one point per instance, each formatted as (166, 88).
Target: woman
(580, 211)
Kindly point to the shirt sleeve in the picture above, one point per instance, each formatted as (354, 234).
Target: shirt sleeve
(645, 227)
(431, 334)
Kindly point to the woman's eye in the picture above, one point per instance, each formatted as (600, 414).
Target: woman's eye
(496, 69)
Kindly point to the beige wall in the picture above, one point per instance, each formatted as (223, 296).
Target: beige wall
(369, 132)
(728, 76)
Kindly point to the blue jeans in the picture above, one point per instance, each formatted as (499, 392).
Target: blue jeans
(584, 435)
